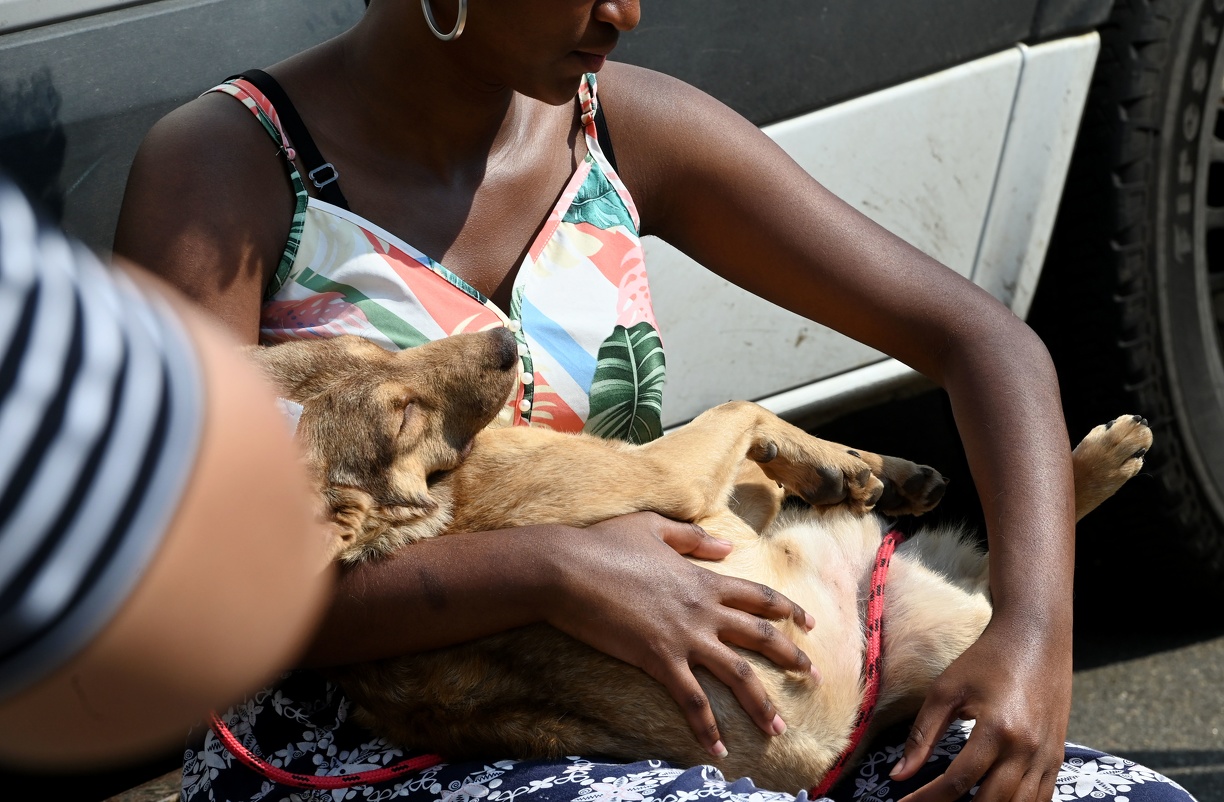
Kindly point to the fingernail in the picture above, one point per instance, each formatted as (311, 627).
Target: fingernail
(718, 750)
(897, 769)
(724, 542)
(809, 622)
(777, 726)
(815, 672)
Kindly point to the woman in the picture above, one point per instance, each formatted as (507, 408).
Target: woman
(453, 126)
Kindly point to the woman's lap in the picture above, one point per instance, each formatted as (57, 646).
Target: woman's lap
(1086, 774)
(302, 724)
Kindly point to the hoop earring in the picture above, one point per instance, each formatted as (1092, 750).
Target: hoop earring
(433, 25)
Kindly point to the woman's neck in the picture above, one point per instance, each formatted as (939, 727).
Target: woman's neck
(414, 95)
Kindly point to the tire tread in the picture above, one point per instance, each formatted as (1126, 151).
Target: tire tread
(1097, 294)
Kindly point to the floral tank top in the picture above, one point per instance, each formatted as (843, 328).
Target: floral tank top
(590, 354)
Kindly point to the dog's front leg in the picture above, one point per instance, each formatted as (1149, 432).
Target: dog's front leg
(824, 473)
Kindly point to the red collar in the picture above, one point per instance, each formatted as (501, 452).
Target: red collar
(873, 661)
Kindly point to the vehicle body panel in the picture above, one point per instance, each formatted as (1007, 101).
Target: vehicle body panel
(776, 60)
(967, 165)
(77, 97)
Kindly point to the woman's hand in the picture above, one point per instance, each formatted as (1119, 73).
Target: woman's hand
(1017, 686)
(625, 590)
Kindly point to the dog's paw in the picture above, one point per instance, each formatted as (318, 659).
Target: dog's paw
(1114, 451)
(840, 479)
(909, 488)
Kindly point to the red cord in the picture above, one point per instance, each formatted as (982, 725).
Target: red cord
(295, 780)
(873, 661)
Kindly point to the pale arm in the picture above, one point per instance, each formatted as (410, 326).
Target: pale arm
(238, 582)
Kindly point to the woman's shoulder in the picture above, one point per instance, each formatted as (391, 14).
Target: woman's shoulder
(642, 96)
(212, 142)
(208, 205)
(666, 130)
(664, 115)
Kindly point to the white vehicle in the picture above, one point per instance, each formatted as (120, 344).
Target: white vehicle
(954, 123)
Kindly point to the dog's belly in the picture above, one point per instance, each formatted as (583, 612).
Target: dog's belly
(822, 561)
(535, 692)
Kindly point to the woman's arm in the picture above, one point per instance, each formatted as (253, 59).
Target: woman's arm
(208, 207)
(712, 184)
(620, 586)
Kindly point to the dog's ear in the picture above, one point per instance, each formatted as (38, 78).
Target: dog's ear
(348, 435)
(348, 510)
(371, 493)
(305, 368)
(363, 527)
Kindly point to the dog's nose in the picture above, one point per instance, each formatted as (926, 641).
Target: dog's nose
(505, 348)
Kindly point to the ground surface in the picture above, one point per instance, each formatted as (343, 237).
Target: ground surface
(1163, 708)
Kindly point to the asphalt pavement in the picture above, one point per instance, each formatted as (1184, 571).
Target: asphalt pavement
(1155, 699)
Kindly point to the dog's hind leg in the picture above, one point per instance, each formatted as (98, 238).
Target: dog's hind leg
(1111, 453)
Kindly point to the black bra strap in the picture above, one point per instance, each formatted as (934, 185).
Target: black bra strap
(605, 139)
(319, 171)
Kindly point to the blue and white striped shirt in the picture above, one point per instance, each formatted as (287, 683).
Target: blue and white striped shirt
(100, 413)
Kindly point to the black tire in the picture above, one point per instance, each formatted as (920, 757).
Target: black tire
(1131, 301)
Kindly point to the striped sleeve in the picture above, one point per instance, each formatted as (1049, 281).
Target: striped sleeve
(100, 414)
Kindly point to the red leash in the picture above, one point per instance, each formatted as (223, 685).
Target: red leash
(873, 661)
(295, 780)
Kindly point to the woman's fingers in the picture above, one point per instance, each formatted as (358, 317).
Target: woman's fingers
(761, 636)
(677, 677)
(763, 601)
(1009, 782)
(751, 597)
(962, 774)
(735, 671)
(668, 615)
(1046, 785)
(928, 727)
(692, 541)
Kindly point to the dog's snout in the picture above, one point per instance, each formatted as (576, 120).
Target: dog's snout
(505, 348)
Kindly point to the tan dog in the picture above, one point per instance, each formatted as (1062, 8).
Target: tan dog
(398, 444)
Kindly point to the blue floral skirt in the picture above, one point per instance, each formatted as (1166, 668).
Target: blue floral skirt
(302, 725)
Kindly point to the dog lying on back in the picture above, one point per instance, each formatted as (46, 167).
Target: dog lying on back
(398, 445)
